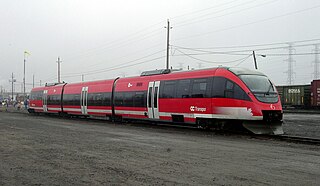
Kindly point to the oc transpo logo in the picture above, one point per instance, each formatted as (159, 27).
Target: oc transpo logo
(197, 109)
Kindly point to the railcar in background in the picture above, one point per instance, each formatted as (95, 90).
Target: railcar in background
(295, 96)
(315, 93)
(300, 96)
(216, 97)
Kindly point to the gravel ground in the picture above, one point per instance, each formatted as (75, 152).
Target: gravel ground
(37, 150)
(307, 125)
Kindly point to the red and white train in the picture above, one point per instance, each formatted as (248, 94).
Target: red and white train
(216, 97)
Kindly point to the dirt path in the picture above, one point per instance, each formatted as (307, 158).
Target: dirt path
(37, 150)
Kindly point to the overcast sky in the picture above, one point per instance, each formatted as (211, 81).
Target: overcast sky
(104, 39)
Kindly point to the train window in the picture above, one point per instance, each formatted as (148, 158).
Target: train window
(155, 98)
(139, 99)
(107, 98)
(118, 98)
(229, 92)
(53, 100)
(183, 90)
(71, 99)
(76, 99)
(199, 88)
(67, 99)
(218, 88)
(229, 85)
(91, 99)
(168, 89)
(99, 99)
(223, 88)
(39, 95)
(149, 97)
(33, 95)
(131, 99)
(239, 93)
(36, 95)
(128, 99)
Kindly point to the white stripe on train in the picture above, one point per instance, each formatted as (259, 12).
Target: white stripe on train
(231, 114)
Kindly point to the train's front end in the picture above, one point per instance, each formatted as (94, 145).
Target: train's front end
(266, 103)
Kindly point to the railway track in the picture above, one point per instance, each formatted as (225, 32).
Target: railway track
(287, 138)
(297, 139)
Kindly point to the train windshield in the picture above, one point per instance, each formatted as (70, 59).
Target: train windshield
(261, 87)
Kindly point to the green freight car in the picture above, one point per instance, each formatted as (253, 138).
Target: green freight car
(295, 96)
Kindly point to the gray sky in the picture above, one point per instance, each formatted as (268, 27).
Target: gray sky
(105, 39)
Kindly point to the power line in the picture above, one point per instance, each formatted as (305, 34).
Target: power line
(243, 60)
(225, 62)
(120, 66)
(250, 46)
(250, 23)
(244, 54)
(237, 52)
(124, 43)
(116, 68)
(94, 71)
(193, 21)
(202, 10)
(124, 56)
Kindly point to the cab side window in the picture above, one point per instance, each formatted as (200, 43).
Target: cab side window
(225, 88)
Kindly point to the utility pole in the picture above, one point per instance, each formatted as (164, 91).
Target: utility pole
(82, 77)
(1, 92)
(59, 80)
(12, 81)
(40, 83)
(316, 62)
(33, 81)
(24, 76)
(290, 61)
(168, 45)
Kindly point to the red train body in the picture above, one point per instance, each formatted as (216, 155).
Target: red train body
(211, 97)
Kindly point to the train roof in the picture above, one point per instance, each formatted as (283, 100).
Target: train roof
(164, 73)
(244, 71)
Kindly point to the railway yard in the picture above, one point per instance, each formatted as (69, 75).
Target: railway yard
(45, 150)
(160, 93)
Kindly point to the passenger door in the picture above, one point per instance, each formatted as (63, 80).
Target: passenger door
(153, 99)
(84, 100)
(45, 101)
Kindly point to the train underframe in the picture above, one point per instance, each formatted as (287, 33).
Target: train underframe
(270, 124)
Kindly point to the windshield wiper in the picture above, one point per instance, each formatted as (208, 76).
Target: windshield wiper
(270, 86)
